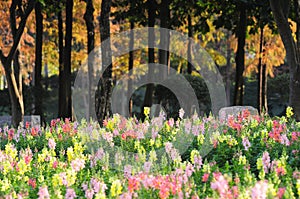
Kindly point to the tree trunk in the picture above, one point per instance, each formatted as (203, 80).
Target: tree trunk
(189, 53)
(67, 59)
(89, 21)
(228, 69)
(66, 106)
(164, 35)
(38, 91)
(130, 66)
(280, 10)
(240, 56)
(61, 65)
(164, 44)
(15, 82)
(264, 88)
(151, 58)
(260, 74)
(105, 83)
(16, 99)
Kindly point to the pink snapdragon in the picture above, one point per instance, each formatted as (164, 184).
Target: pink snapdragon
(259, 191)
(70, 193)
(89, 193)
(205, 177)
(51, 143)
(147, 167)
(77, 164)
(63, 177)
(266, 161)
(280, 192)
(246, 143)
(220, 184)
(98, 186)
(296, 175)
(284, 140)
(127, 171)
(197, 161)
(43, 192)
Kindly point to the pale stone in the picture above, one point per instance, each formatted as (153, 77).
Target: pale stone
(34, 120)
(235, 110)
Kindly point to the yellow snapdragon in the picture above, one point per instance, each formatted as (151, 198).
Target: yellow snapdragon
(116, 188)
(23, 168)
(158, 141)
(200, 139)
(298, 187)
(254, 123)
(6, 167)
(110, 125)
(271, 193)
(100, 196)
(43, 155)
(70, 154)
(41, 178)
(152, 156)
(56, 180)
(58, 194)
(142, 153)
(242, 160)
(151, 142)
(231, 141)
(146, 111)
(48, 135)
(193, 154)
(71, 177)
(206, 168)
(5, 184)
(289, 112)
(11, 151)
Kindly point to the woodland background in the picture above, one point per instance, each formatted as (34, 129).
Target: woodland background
(255, 45)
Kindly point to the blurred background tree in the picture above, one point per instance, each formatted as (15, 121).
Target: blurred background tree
(45, 42)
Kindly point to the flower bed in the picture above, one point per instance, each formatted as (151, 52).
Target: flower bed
(244, 157)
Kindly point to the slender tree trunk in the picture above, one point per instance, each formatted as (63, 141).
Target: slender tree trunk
(280, 9)
(240, 56)
(151, 21)
(105, 83)
(264, 88)
(228, 69)
(46, 75)
(15, 82)
(61, 65)
(260, 74)
(89, 21)
(164, 35)
(130, 66)
(189, 51)
(38, 60)
(67, 60)
(19, 109)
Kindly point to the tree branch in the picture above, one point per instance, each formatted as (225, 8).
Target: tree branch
(20, 31)
(12, 17)
(2, 58)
